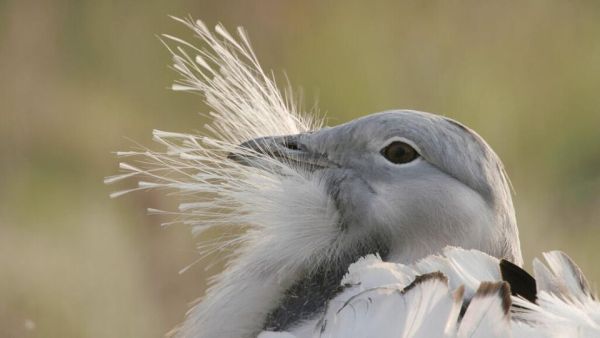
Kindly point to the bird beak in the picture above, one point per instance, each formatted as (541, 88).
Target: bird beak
(284, 149)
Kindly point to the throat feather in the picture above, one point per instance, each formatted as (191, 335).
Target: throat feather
(308, 296)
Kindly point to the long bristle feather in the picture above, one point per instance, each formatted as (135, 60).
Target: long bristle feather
(245, 103)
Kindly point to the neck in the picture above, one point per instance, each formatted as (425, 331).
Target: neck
(309, 295)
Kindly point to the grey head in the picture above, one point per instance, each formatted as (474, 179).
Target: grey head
(415, 182)
(425, 180)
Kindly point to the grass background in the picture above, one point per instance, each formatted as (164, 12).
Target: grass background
(78, 77)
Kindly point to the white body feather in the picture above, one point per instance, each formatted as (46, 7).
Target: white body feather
(378, 305)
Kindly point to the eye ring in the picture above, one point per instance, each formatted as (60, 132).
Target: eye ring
(399, 152)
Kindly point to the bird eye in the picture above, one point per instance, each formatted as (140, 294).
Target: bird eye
(399, 152)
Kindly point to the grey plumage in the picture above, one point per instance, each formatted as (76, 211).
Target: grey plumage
(349, 162)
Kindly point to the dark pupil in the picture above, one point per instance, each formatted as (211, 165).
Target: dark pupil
(399, 152)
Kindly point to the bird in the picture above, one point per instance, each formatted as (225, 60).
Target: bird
(396, 224)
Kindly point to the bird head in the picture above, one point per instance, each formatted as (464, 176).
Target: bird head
(416, 182)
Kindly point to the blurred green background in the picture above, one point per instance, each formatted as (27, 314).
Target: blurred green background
(80, 77)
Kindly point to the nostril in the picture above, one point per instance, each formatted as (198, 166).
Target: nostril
(291, 145)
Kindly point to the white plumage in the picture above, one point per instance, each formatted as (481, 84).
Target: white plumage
(380, 301)
(298, 203)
